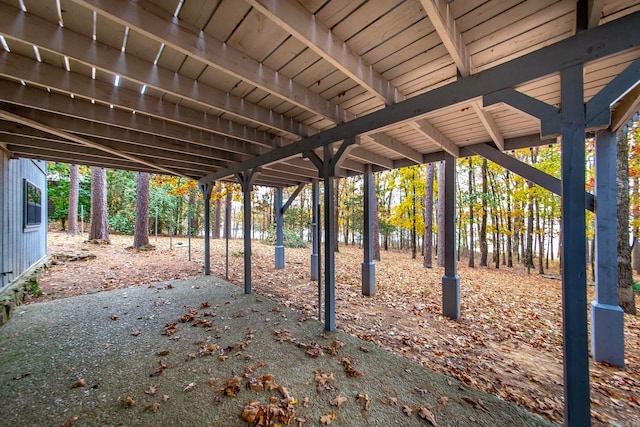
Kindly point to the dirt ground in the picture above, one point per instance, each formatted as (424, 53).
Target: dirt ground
(508, 341)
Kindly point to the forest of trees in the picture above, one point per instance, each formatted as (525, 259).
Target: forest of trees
(503, 220)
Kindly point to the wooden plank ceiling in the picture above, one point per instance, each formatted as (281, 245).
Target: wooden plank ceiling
(192, 87)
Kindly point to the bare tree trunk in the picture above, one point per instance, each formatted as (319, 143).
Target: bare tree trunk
(227, 219)
(428, 218)
(72, 212)
(472, 244)
(484, 248)
(441, 190)
(414, 223)
(141, 235)
(509, 224)
(217, 218)
(625, 275)
(540, 240)
(99, 221)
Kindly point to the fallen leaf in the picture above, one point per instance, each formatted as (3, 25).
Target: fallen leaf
(327, 419)
(426, 414)
(164, 352)
(152, 390)
(80, 383)
(393, 401)
(364, 349)
(136, 333)
(154, 408)
(348, 369)
(161, 364)
(128, 402)
(156, 373)
(305, 402)
(189, 386)
(251, 412)
(107, 345)
(338, 400)
(365, 400)
(165, 397)
(114, 317)
(443, 400)
(205, 304)
(70, 421)
(407, 410)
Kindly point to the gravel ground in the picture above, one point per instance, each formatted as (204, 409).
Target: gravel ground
(85, 360)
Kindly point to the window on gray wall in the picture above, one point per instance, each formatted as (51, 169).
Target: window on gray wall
(32, 205)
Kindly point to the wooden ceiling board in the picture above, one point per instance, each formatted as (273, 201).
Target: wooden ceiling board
(398, 66)
(533, 39)
(284, 53)
(170, 59)
(617, 9)
(109, 32)
(524, 51)
(197, 12)
(241, 89)
(362, 17)
(191, 67)
(485, 12)
(389, 25)
(432, 82)
(342, 98)
(225, 19)
(312, 5)
(256, 96)
(19, 47)
(461, 8)
(528, 15)
(43, 9)
(335, 11)
(327, 82)
(366, 107)
(257, 35)
(270, 102)
(317, 72)
(305, 59)
(141, 46)
(411, 38)
(77, 18)
(218, 79)
(434, 71)
(78, 68)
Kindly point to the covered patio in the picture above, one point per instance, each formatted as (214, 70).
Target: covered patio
(285, 93)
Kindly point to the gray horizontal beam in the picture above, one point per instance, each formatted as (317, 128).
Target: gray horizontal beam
(526, 171)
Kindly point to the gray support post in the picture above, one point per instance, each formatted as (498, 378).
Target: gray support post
(607, 318)
(246, 180)
(279, 249)
(450, 280)
(206, 196)
(327, 170)
(368, 266)
(574, 268)
(247, 238)
(315, 201)
(329, 245)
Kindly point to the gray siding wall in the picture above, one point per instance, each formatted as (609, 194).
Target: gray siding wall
(20, 247)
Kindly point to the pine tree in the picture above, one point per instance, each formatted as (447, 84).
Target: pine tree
(99, 221)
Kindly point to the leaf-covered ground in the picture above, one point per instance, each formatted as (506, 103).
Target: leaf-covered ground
(508, 341)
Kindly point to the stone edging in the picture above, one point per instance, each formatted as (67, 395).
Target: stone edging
(14, 294)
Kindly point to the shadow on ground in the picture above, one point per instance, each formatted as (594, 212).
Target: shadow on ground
(113, 342)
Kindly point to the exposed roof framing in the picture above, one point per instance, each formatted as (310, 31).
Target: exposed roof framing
(227, 86)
